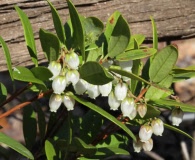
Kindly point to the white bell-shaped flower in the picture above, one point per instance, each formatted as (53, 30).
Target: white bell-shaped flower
(177, 116)
(142, 109)
(80, 87)
(59, 84)
(157, 126)
(120, 91)
(113, 102)
(93, 91)
(68, 102)
(148, 145)
(55, 69)
(72, 60)
(72, 76)
(133, 114)
(55, 102)
(137, 145)
(127, 106)
(145, 133)
(105, 89)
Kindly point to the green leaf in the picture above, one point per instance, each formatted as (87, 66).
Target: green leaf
(94, 73)
(3, 93)
(138, 38)
(163, 63)
(104, 114)
(24, 74)
(155, 35)
(94, 54)
(50, 45)
(83, 148)
(90, 120)
(28, 34)
(119, 39)
(136, 54)
(110, 151)
(151, 112)
(29, 126)
(38, 73)
(178, 130)
(111, 23)
(57, 23)
(78, 33)
(41, 121)
(136, 69)
(128, 74)
(155, 93)
(93, 28)
(15, 146)
(50, 150)
(170, 104)
(7, 56)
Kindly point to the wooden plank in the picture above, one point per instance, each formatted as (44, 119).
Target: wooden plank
(174, 19)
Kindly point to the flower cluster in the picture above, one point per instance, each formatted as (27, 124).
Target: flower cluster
(62, 77)
(145, 133)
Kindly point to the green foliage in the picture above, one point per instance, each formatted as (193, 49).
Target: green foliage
(103, 54)
(28, 34)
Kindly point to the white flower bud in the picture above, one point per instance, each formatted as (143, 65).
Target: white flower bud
(93, 91)
(105, 89)
(177, 116)
(55, 102)
(127, 106)
(113, 102)
(55, 69)
(120, 91)
(137, 145)
(68, 102)
(72, 60)
(148, 145)
(157, 127)
(133, 114)
(59, 84)
(142, 110)
(145, 133)
(81, 86)
(72, 76)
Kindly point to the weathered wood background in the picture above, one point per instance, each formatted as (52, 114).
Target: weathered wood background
(175, 19)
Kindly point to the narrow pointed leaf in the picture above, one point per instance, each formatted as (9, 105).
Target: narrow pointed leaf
(57, 23)
(7, 56)
(104, 114)
(29, 126)
(50, 45)
(178, 130)
(163, 63)
(15, 146)
(3, 93)
(78, 33)
(155, 35)
(94, 73)
(28, 34)
(136, 54)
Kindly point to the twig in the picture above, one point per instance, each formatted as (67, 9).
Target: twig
(15, 94)
(22, 105)
(184, 151)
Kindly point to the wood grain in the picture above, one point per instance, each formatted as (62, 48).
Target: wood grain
(175, 19)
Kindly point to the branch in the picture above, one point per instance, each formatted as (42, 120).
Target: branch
(22, 105)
